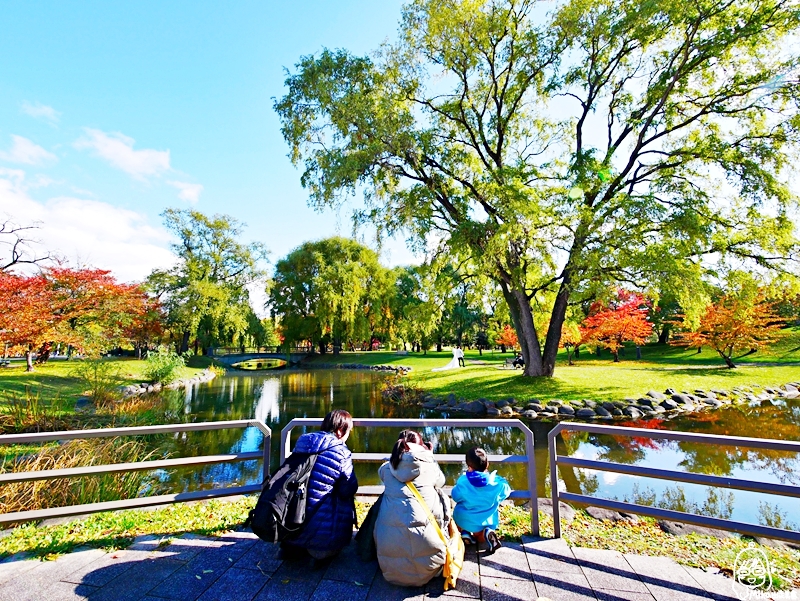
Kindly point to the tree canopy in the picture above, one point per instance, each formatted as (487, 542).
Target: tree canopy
(601, 143)
(205, 294)
(331, 291)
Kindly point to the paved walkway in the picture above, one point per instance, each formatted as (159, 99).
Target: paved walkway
(237, 566)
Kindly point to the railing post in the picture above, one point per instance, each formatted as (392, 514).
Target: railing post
(286, 442)
(534, 500)
(551, 449)
(267, 446)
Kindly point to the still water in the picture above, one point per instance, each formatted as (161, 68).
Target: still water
(277, 397)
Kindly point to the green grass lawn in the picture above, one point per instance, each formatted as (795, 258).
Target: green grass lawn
(55, 380)
(592, 377)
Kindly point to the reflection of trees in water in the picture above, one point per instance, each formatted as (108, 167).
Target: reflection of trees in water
(718, 503)
(277, 398)
(776, 422)
(774, 516)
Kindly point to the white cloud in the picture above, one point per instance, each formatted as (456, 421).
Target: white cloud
(37, 110)
(88, 232)
(24, 151)
(117, 149)
(188, 192)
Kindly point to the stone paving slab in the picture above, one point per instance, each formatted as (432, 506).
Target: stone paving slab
(238, 567)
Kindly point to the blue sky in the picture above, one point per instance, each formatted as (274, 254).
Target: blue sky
(111, 112)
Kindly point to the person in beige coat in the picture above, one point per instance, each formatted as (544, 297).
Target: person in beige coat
(410, 551)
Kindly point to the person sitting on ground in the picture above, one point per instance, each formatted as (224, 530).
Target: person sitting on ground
(478, 495)
(332, 487)
(410, 550)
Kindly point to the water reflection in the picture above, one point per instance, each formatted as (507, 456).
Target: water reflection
(276, 398)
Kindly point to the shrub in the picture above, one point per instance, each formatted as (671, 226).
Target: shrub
(100, 379)
(163, 365)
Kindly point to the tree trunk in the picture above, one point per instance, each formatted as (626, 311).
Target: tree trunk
(616, 356)
(184, 347)
(663, 335)
(519, 306)
(638, 352)
(728, 360)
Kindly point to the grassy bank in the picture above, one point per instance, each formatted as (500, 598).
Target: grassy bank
(115, 530)
(593, 377)
(55, 384)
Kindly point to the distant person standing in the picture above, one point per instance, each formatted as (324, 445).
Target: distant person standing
(459, 353)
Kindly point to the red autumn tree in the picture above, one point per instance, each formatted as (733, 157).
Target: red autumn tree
(507, 338)
(624, 319)
(95, 309)
(732, 324)
(571, 339)
(27, 320)
(85, 308)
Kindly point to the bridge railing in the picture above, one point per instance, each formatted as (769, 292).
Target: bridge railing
(528, 458)
(670, 475)
(258, 350)
(52, 512)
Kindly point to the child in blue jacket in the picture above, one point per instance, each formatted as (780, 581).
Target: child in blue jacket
(478, 495)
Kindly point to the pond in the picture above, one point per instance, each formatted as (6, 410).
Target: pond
(277, 397)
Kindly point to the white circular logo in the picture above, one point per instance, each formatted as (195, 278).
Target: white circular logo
(751, 572)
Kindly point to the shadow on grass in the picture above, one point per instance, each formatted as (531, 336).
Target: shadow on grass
(494, 387)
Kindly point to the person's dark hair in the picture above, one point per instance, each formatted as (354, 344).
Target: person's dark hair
(477, 459)
(337, 420)
(401, 446)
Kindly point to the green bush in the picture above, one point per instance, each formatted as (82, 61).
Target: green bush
(100, 379)
(163, 365)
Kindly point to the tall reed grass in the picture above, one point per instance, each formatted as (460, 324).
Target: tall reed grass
(59, 492)
(28, 411)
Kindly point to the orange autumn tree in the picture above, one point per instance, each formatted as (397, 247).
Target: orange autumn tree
(734, 323)
(27, 320)
(85, 308)
(507, 338)
(571, 339)
(623, 319)
(94, 308)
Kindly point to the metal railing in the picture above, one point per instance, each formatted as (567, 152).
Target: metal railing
(38, 514)
(672, 475)
(273, 350)
(528, 458)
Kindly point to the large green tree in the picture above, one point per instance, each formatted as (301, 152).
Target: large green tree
(331, 291)
(607, 141)
(206, 293)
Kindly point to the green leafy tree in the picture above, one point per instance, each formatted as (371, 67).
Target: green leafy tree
(205, 294)
(568, 152)
(331, 291)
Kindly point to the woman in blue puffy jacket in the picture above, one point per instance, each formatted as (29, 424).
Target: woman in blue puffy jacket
(331, 490)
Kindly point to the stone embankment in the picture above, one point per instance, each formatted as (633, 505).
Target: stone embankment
(133, 389)
(395, 369)
(652, 405)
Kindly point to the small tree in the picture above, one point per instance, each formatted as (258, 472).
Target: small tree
(571, 339)
(732, 324)
(624, 319)
(507, 338)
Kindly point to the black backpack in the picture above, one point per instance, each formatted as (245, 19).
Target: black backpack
(280, 512)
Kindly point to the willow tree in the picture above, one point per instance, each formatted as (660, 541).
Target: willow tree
(331, 291)
(603, 142)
